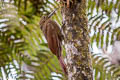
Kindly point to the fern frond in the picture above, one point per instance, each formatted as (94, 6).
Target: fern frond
(103, 69)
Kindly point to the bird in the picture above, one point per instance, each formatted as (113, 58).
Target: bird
(53, 35)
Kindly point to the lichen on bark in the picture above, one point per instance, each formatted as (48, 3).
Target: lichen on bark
(77, 41)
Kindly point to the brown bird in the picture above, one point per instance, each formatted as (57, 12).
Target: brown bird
(53, 35)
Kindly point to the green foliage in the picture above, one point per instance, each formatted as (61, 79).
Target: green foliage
(24, 53)
(23, 48)
(103, 69)
(103, 15)
(104, 28)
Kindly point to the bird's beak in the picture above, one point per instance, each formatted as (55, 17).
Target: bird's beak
(52, 13)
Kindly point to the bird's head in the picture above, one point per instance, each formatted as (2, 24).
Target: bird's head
(42, 21)
(45, 18)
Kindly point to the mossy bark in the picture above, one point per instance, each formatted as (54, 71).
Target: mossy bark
(77, 40)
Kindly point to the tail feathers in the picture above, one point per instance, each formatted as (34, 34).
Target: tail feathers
(62, 63)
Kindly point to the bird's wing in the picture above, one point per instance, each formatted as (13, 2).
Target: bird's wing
(53, 40)
(57, 28)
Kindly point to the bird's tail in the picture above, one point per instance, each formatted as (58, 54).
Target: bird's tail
(62, 63)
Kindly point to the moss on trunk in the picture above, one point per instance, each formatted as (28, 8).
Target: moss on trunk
(77, 40)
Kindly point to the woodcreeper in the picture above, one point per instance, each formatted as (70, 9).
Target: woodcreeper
(53, 35)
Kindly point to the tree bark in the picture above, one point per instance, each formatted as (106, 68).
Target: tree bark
(77, 40)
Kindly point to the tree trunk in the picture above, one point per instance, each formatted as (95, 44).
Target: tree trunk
(77, 40)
